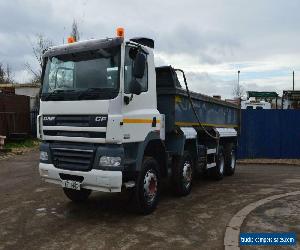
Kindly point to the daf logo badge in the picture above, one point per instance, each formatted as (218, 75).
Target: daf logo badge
(49, 118)
(100, 118)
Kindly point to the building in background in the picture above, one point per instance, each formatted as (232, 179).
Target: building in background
(28, 89)
(291, 99)
(251, 103)
(7, 89)
(32, 90)
(15, 119)
(265, 97)
(235, 101)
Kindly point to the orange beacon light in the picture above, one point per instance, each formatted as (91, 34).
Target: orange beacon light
(71, 39)
(120, 32)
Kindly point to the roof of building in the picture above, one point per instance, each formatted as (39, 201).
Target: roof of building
(262, 94)
(292, 94)
(20, 85)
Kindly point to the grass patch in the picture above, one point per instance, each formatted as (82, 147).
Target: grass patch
(27, 143)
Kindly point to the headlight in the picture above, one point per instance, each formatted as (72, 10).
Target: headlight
(43, 156)
(109, 161)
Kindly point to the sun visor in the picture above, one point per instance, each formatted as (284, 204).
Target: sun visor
(83, 46)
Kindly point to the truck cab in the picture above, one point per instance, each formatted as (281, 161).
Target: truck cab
(100, 126)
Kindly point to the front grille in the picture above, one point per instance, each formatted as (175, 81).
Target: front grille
(86, 134)
(75, 120)
(80, 159)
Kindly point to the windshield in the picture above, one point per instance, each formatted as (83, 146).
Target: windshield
(85, 75)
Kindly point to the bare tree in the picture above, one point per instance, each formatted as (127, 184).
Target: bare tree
(9, 74)
(6, 75)
(38, 48)
(2, 74)
(238, 91)
(75, 31)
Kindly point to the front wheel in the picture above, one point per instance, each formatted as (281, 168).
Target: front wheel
(146, 193)
(77, 195)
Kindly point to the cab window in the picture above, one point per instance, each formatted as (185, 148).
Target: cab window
(130, 53)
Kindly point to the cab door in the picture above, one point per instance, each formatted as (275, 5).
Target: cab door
(140, 114)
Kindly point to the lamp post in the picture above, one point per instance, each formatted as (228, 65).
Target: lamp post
(238, 83)
(293, 80)
(239, 99)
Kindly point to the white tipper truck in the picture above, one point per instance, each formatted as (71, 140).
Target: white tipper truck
(109, 120)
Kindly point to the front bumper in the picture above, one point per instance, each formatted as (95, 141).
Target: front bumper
(99, 180)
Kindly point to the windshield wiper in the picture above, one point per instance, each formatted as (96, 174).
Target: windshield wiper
(54, 92)
(95, 91)
(90, 93)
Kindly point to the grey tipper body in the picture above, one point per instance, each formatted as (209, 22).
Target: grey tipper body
(174, 103)
(110, 120)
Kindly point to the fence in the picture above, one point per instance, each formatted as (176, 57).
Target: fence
(14, 115)
(270, 134)
(33, 122)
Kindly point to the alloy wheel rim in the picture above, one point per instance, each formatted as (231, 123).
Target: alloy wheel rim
(150, 186)
(232, 165)
(222, 164)
(187, 174)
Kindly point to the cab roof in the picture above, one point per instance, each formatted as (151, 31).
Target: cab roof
(82, 46)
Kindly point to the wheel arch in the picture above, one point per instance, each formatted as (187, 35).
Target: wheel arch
(191, 146)
(155, 147)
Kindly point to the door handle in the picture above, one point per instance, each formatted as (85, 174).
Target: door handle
(154, 122)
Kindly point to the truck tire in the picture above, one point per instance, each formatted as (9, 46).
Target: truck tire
(147, 190)
(182, 174)
(218, 170)
(77, 195)
(230, 159)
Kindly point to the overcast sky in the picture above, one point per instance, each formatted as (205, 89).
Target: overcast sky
(211, 40)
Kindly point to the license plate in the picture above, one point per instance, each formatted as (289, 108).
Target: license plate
(71, 184)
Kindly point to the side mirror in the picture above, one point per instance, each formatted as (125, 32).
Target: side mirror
(139, 65)
(135, 87)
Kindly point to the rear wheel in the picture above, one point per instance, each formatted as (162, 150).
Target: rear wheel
(77, 195)
(230, 160)
(182, 174)
(218, 170)
(146, 193)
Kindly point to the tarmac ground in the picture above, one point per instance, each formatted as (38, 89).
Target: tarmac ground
(37, 215)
